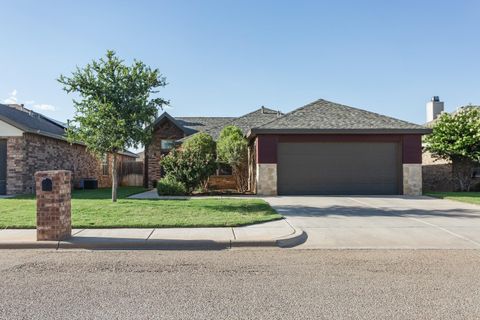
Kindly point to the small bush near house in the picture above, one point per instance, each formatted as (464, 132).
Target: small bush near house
(168, 186)
(193, 163)
(232, 149)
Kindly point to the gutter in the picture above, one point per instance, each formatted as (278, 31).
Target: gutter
(256, 131)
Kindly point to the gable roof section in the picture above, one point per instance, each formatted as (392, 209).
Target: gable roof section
(191, 125)
(166, 116)
(30, 121)
(324, 116)
(247, 122)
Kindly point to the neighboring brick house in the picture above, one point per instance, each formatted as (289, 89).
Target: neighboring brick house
(321, 148)
(31, 142)
(438, 174)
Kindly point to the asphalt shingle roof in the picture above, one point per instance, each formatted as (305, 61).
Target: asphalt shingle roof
(196, 124)
(326, 115)
(247, 121)
(33, 122)
(30, 121)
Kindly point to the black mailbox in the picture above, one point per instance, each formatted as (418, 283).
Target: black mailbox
(47, 184)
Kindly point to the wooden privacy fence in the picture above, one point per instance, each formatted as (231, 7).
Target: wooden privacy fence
(131, 173)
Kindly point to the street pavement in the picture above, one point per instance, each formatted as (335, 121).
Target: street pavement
(240, 284)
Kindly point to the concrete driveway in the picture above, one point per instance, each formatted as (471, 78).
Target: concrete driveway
(382, 221)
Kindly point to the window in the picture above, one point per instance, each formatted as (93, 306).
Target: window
(105, 170)
(167, 144)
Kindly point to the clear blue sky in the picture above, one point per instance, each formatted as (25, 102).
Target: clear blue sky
(229, 57)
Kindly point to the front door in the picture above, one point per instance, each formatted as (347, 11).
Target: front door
(3, 166)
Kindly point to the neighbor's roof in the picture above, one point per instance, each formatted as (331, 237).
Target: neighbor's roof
(324, 116)
(33, 122)
(430, 124)
(30, 121)
(248, 121)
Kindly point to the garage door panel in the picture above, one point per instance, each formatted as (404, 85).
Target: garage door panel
(338, 168)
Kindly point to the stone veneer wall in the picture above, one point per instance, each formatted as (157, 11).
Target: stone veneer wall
(31, 153)
(266, 179)
(153, 152)
(412, 179)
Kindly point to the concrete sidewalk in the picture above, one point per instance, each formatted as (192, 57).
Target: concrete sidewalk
(270, 234)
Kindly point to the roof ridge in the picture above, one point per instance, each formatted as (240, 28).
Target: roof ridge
(205, 117)
(291, 112)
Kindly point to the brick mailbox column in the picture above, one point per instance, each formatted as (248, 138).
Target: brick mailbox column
(53, 189)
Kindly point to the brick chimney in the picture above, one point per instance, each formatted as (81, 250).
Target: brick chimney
(434, 108)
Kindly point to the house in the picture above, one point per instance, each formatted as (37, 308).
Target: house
(168, 131)
(31, 142)
(320, 148)
(438, 174)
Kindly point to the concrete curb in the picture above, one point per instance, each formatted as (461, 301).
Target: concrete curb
(29, 245)
(295, 238)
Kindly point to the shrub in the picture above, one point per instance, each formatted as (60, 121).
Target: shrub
(456, 137)
(168, 186)
(232, 149)
(193, 163)
(200, 142)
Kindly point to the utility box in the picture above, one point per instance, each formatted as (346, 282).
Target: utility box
(54, 194)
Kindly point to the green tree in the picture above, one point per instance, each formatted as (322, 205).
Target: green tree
(232, 149)
(456, 137)
(193, 163)
(115, 109)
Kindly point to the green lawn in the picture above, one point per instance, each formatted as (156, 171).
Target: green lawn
(469, 197)
(94, 209)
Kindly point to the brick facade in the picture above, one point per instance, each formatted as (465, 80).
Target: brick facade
(437, 173)
(54, 218)
(31, 153)
(165, 130)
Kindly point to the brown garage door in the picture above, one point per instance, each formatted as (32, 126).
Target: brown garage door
(338, 168)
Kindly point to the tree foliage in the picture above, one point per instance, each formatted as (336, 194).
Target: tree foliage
(115, 108)
(193, 163)
(232, 149)
(456, 137)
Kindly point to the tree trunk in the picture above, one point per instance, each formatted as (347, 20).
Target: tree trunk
(240, 174)
(114, 177)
